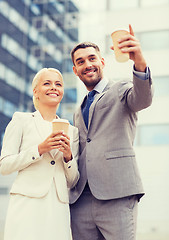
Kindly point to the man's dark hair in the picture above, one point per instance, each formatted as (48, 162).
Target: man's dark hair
(83, 45)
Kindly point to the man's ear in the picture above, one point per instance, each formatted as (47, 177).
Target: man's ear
(103, 62)
(74, 70)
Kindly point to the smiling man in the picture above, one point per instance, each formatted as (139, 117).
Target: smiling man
(88, 66)
(105, 199)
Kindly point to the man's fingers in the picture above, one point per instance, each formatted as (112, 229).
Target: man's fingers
(131, 30)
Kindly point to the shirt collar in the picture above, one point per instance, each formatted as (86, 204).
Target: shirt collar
(101, 85)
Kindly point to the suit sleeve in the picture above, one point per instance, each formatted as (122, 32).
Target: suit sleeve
(12, 159)
(71, 168)
(137, 94)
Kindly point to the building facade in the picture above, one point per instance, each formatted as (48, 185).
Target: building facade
(150, 21)
(33, 34)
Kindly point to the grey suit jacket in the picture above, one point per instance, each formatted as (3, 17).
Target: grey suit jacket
(107, 159)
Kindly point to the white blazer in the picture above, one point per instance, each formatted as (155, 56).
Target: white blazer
(35, 173)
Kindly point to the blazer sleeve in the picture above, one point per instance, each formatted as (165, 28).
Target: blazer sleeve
(71, 168)
(137, 94)
(12, 159)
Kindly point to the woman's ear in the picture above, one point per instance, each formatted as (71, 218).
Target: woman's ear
(35, 94)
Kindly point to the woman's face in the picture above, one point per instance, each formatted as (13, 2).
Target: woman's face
(49, 89)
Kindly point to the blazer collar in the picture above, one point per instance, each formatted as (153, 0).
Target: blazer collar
(44, 129)
(97, 98)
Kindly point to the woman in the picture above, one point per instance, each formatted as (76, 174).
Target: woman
(46, 163)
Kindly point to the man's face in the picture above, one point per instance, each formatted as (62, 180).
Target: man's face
(88, 66)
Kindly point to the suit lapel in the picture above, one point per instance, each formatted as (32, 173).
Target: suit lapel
(97, 98)
(79, 115)
(44, 129)
(91, 110)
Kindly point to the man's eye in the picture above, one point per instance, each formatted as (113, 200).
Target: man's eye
(46, 83)
(80, 62)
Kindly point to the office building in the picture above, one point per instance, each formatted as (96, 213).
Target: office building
(150, 22)
(33, 34)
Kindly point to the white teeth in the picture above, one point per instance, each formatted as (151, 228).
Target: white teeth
(89, 71)
(52, 94)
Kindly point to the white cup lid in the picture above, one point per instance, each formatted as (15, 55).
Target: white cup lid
(60, 120)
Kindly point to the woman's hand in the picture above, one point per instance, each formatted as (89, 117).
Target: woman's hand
(59, 141)
(63, 145)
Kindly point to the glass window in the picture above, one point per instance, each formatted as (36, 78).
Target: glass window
(70, 95)
(35, 9)
(116, 4)
(154, 40)
(59, 32)
(1, 104)
(29, 88)
(23, 26)
(18, 20)
(51, 25)
(32, 62)
(14, 16)
(2, 71)
(4, 8)
(3, 190)
(27, 2)
(9, 108)
(10, 77)
(146, 3)
(13, 47)
(58, 6)
(152, 135)
(57, 55)
(20, 84)
(4, 40)
(161, 86)
(33, 34)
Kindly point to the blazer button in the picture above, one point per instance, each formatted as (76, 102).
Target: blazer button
(52, 162)
(88, 139)
(33, 158)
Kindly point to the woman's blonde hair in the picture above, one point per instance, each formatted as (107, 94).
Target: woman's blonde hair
(37, 78)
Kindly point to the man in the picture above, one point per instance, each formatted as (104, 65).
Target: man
(104, 202)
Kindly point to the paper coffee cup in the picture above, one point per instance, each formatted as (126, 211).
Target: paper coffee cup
(60, 125)
(119, 55)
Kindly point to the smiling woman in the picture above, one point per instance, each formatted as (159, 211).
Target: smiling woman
(46, 163)
(47, 81)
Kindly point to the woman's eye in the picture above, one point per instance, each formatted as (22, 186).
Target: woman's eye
(58, 84)
(46, 83)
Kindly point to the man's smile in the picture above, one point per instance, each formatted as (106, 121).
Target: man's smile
(90, 71)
